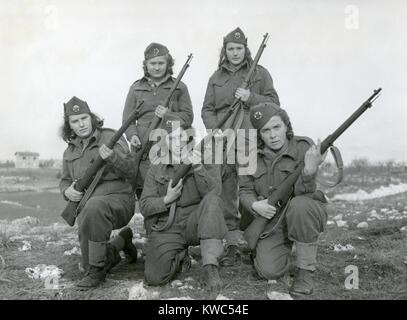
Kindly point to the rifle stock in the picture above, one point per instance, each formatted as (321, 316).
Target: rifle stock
(279, 196)
(70, 212)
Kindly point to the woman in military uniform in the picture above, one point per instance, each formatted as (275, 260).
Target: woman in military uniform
(279, 152)
(111, 204)
(154, 88)
(223, 87)
(198, 216)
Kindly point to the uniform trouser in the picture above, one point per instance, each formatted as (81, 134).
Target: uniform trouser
(141, 175)
(230, 185)
(229, 195)
(305, 220)
(166, 250)
(99, 216)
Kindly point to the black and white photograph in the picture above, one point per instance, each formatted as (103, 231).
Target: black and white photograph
(203, 150)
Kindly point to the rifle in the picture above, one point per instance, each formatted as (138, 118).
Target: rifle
(70, 212)
(145, 142)
(235, 106)
(260, 227)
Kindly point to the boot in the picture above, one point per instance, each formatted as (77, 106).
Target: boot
(112, 257)
(129, 248)
(211, 277)
(303, 282)
(231, 257)
(94, 277)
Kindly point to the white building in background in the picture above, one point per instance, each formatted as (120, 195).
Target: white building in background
(26, 159)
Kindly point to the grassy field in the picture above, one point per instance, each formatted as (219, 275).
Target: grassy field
(379, 252)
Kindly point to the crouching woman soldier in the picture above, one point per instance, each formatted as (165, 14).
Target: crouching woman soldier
(111, 204)
(198, 217)
(279, 151)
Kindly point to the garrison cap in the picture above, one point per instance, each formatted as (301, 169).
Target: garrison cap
(236, 36)
(155, 50)
(260, 114)
(76, 106)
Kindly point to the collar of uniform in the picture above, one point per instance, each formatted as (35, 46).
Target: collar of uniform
(94, 137)
(151, 82)
(225, 65)
(290, 151)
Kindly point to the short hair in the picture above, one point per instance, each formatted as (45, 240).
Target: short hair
(223, 57)
(68, 134)
(170, 64)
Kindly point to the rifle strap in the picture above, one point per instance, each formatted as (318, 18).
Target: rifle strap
(336, 154)
(90, 190)
(170, 220)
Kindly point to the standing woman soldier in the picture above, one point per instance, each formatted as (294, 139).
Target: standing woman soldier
(153, 88)
(111, 204)
(223, 87)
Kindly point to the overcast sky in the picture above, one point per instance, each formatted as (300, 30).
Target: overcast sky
(325, 57)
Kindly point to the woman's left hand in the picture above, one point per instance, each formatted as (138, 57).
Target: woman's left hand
(313, 158)
(105, 152)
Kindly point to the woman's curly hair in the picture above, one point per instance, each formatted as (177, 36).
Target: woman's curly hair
(170, 64)
(67, 133)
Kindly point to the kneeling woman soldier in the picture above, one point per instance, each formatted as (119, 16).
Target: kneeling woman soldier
(111, 204)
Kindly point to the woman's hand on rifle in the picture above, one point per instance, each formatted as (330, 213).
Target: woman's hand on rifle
(313, 158)
(73, 194)
(135, 142)
(243, 94)
(105, 152)
(160, 111)
(173, 193)
(263, 208)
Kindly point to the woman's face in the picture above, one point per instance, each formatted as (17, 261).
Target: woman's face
(235, 53)
(157, 67)
(274, 133)
(81, 124)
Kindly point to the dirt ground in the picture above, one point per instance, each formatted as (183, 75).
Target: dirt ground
(378, 252)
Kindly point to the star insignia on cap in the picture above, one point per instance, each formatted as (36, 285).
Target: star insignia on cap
(169, 123)
(75, 108)
(258, 115)
(237, 35)
(156, 51)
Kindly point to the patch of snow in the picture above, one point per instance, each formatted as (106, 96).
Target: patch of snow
(138, 292)
(275, 295)
(176, 283)
(341, 248)
(185, 287)
(179, 298)
(330, 222)
(43, 271)
(11, 203)
(362, 225)
(74, 251)
(403, 229)
(338, 217)
(26, 246)
(271, 281)
(222, 297)
(341, 223)
(383, 191)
